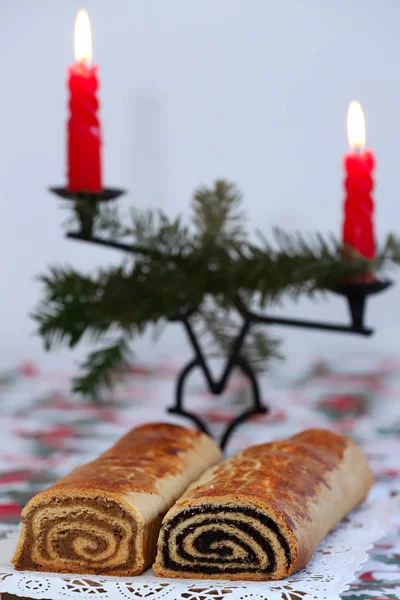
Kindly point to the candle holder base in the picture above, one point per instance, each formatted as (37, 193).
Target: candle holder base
(102, 196)
(86, 205)
(357, 294)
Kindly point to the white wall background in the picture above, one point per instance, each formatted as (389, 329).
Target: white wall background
(255, 91)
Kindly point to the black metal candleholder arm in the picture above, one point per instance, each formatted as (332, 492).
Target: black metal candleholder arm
(356, 294)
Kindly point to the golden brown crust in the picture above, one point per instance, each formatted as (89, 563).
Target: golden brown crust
(305, 484)
(293, 468)
(104, 517)
(137, 461)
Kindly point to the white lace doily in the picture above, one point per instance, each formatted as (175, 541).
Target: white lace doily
(332, 568)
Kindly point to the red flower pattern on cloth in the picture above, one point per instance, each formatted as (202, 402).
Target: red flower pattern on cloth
(14, 477)
(10, 512)
(28, 369)
(344, 405)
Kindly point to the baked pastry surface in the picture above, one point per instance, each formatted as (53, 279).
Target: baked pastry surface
(260, 514)
(105, 516)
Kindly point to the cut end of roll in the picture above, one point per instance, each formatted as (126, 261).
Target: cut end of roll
(228, 541)
(78, 534)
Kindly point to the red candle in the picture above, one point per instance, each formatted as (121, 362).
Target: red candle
(84, 135)
(358, 226)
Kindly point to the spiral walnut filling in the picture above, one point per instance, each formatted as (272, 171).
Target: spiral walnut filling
(92, 533)
(212, 539)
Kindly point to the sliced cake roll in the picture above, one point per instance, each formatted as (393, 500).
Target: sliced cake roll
(105, 516)
(260, 514)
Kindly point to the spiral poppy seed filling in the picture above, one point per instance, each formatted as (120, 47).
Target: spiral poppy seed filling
(220, 543)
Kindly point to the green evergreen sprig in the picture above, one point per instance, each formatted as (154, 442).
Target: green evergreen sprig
(208, 262)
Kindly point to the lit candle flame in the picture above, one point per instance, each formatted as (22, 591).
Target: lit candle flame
(356, 126)
(83, 38)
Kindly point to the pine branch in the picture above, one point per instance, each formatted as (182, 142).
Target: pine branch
(178, 266)
(151, 233)
(156, 231)
(390, 252)
(220, 329)
(67, 310)
(123, 299)
(293, 265)
(109, 223)
(100, 368)
(217, 217)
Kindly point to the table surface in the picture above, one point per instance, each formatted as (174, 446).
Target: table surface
(45, 431)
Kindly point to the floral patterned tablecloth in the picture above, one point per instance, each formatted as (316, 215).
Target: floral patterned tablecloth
(45, 431)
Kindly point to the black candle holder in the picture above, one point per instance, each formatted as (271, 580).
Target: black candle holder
(86, 206)
(356, 294)
(216, 387)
